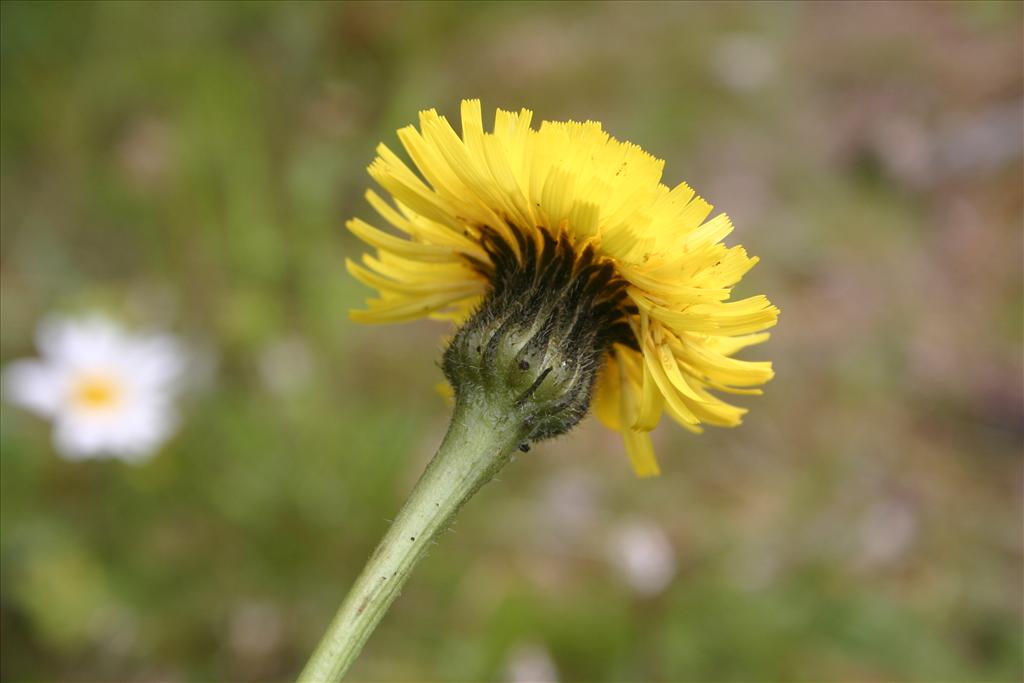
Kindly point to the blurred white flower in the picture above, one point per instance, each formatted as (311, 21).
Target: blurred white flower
(109, 393)
(887, 531)
(643, 555)
(744, 62)
(255, 629)
(530, 663)
(286, 365)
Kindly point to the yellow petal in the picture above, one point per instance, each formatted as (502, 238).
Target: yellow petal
(403, 309)
(608, 395)
(651, 404)
(641, 453)
(417, 251)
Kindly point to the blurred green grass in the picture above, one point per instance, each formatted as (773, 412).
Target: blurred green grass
(191, 165)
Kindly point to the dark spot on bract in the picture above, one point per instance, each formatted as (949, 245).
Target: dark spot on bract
(524, 447)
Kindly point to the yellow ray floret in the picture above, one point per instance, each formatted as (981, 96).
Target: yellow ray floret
(574, 179)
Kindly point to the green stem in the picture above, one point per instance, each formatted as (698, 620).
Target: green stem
(480, 440)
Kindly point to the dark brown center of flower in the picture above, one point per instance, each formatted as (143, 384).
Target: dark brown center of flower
(538, 339)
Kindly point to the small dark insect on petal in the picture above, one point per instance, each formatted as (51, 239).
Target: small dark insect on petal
(524, 447)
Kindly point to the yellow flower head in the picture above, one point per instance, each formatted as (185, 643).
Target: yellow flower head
(492, 215)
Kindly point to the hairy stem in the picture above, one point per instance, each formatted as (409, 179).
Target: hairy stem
(480, 440)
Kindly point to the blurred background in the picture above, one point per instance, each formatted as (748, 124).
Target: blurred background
(190, 166)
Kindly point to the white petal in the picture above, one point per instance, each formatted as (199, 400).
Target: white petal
(78, 437)
(142, 430)
(80, 343)
(156, 361)
(37, 386)
(132, 434)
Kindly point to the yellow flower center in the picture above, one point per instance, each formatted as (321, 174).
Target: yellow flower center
(96, 392)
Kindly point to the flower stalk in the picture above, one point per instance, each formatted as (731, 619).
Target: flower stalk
(479, 442)
(522, 367)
